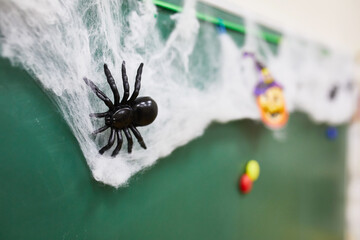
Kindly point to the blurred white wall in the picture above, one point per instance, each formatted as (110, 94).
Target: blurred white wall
(353, 179)
(332, 22)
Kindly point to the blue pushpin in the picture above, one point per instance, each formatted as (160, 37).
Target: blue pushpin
(221, 27)
(331, 133)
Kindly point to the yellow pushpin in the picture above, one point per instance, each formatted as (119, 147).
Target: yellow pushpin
(253, 169)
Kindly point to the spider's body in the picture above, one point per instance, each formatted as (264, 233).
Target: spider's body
(124, 115)
(141, 112)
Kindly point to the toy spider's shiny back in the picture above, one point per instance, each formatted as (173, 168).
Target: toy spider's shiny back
(125, 114)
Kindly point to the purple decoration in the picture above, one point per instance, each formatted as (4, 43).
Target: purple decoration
(248, 54)
(261, 87)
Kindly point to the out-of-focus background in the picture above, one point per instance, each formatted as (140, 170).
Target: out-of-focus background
(336, 24)
(333, 23)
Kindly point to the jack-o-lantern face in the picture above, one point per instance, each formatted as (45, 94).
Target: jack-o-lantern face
(271, 103)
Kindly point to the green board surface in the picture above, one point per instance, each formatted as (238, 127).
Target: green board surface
(47, 191)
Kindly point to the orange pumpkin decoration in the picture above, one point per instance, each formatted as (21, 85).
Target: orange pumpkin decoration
(271, 103)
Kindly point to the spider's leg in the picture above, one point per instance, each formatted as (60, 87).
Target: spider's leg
(112, 84)
(129, 139)
(98, 115)
(125, 83)
(119, 144)
(138, 136)
(100, 130)
(110, 142)
(137, 83)
(99, 93)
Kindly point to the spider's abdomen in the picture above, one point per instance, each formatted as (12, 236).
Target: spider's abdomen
(145, 111)
(122, 118)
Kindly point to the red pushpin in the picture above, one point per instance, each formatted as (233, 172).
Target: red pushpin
(245, 183)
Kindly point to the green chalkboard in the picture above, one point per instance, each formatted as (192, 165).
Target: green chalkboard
(47, 191)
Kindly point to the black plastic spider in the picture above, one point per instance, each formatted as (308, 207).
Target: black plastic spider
(124, 115)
